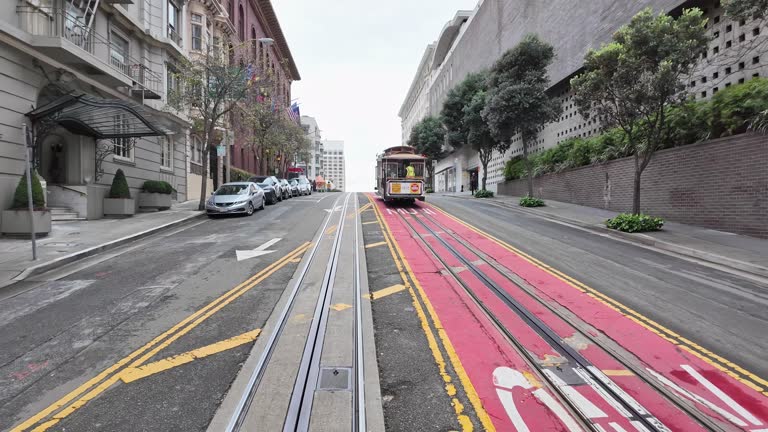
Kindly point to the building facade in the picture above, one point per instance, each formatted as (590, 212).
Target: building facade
(498, 25)
(252, 21)
(333, 163)
(88, 78)
(313, 166)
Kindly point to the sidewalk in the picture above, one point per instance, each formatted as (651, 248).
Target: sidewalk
(70, 241)
(740, 252)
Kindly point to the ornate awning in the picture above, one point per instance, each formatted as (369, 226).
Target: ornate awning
(100, 118)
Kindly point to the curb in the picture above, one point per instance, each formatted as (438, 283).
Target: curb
(648, 241)
(67, 259)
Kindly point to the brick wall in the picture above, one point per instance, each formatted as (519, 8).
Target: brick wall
(720, 184)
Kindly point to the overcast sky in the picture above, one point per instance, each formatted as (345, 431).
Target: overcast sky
(357, 59)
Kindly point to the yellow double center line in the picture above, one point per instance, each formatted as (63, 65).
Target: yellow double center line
(98, 384)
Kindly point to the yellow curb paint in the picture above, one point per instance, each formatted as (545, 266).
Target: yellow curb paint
(618, 372)
(387, 291)
(403, 267)
(373, 245)
(191, 322)
(338, 307)
(330, 230)
(370, 222)
(742, 375)
(133, 374)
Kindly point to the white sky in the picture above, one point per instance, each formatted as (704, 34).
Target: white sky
(357, 59)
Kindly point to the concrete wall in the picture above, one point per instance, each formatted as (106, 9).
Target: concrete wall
(720, 184)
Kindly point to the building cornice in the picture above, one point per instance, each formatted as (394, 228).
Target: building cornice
(265, 13)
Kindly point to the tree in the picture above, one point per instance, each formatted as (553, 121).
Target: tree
(631, 82)
(452, 114)
(480, 137)
(746, 9)
(211, 86)
(428, 137)
(517, 100)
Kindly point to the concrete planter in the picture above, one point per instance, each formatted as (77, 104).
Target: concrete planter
(16, 222)
(119, 207)
(154, 200)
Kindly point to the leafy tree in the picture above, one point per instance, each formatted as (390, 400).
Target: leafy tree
(517, 98)
(20, 197)
(746, 9)
(480, 137)
(629, 82)
(211, 85)
(452, 114)
(428, 137)
(119, 187)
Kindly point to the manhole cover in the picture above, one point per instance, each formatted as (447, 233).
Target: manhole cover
(337, 378)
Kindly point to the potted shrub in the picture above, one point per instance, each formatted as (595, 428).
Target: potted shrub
(16, 220)
(155, 194)
(119, 202)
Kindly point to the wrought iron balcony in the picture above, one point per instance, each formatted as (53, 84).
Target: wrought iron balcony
(174, 36)
(67, 39)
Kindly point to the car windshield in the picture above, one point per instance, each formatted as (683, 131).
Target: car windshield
(236, 189)
(293, 182)
(258, 179)
(265, 184)
(303, 181)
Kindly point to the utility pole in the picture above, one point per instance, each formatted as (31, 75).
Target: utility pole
(30, 200)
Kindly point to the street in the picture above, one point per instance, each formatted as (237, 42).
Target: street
(169, 332)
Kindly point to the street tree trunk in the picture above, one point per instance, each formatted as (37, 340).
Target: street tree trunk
(485, 175)
(528, 169)
(204, 181)
(636, 192)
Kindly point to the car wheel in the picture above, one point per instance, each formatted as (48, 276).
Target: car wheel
(249, 210)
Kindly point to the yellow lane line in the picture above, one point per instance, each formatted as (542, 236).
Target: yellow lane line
(618, 372)
(338, 307)
(737, 372)
(387, 291)
(370, 222)
(97, 384)
(132, 374)
(403, 267)
(330, 230)
(373, 245)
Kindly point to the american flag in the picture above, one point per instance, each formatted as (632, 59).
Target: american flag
(293, 112)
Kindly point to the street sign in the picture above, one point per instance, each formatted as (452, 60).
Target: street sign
(221, 151)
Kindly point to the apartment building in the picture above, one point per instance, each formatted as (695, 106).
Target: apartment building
(737, 53)
(88, 78)
(333, 163)
(314, 165)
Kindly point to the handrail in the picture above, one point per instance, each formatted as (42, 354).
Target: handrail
(56, 22)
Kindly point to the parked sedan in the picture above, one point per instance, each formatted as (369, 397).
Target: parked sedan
(294, 187)
(305, 187)
(271, 181)
(270, 193)
(286, 188)
(236, 197)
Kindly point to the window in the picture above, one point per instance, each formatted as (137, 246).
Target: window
(717, 19)
(756, 31)
(742, 22)
(174, 26)
(166, 152)
(727, 71)
(704, 94)
(716, 34)
(123, 147)
(197, 32)
(196, 150)
(727, 85)
(755, 75)
(715, 75)
(118, 52)
(703, 79)
(240, 22)
(741, 80)
(755, 60)
(714, 90)
(172, 79)
(715, 50)
(216, 48)
(255, 44)
(742, 37)
(728, 28)
(693, 83)
(728, 44)
(741, 65)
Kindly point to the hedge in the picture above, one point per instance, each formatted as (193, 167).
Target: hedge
(157, 186)
(238, 175)
(119, 187)
(20, 197)
(730, 111)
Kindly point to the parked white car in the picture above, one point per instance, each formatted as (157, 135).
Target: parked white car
(236, 197)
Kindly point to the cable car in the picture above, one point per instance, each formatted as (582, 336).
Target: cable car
(394, 180)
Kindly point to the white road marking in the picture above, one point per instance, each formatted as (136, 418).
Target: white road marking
(259, 251)
(696, 398)
(722, 396)
(428, 211)
(617, 427)
(506, 379)
(584, 405)
(335, 209)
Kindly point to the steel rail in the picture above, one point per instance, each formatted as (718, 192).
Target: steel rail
(243, 405)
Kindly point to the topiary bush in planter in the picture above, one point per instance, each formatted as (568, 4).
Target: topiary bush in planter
(529, 201)
(484, 194)
(155, 194)
(632, 223)
(17, 221)
(119, 203)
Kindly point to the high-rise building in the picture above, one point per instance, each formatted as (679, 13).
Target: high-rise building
(333, 163)
(472, 43)
(313, 166)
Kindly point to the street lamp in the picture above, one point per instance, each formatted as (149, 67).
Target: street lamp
(266, 41)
